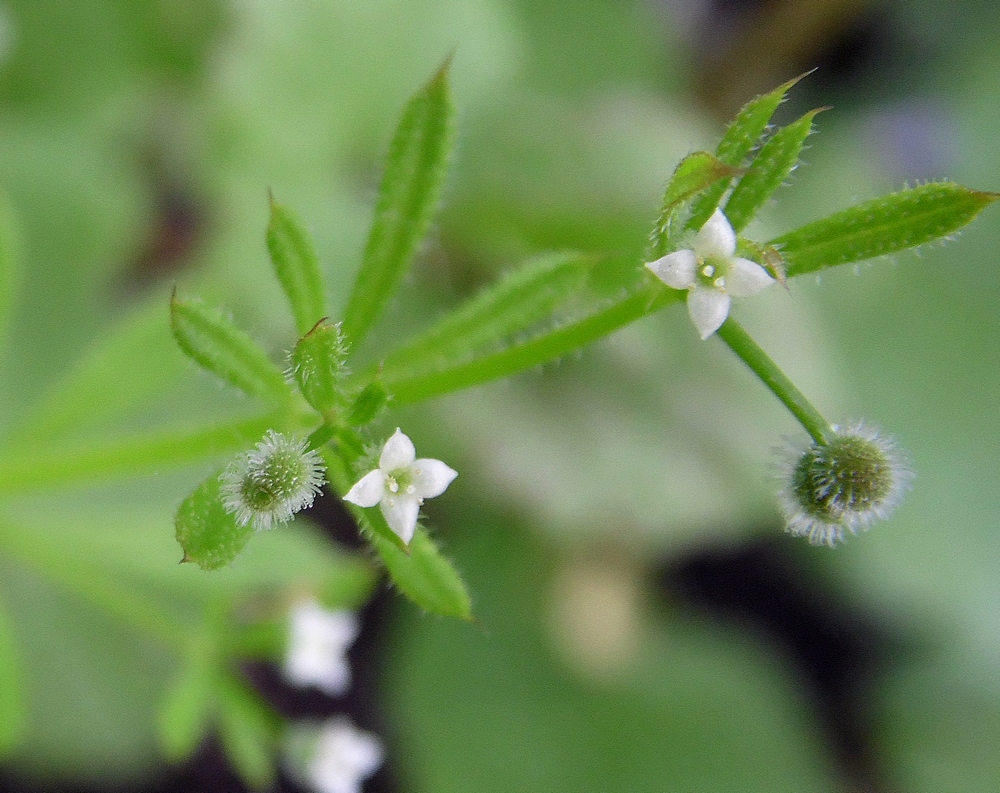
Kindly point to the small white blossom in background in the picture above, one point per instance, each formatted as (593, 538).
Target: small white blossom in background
(856, 478)
(317, 647)
(335, 756)
(400, 484)
(712, 274)
(272, 481)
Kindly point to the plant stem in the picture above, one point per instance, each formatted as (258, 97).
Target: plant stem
(760, 363)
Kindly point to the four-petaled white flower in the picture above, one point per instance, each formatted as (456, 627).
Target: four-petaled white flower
(712, 274)
(317, 647)
(400, 484)
(335, 756)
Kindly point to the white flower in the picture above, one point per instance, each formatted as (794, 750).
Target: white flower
(272, 481)
(844, 485)
(317, 647)
(711, 273)
(400, 484)
(334, 757)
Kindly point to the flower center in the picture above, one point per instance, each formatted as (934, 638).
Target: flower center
(712, 273)
(401, 481)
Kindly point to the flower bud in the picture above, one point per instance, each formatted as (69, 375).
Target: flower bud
(854, 479)
(271, 482)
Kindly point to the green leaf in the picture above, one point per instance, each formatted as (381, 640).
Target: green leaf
(425, 576)
(214, 342)
(296, 265)
(134, 362)
(12, 709)
(186, 710)
(368, 404)
(542, 348)
(209, 536)
(318, 366)
(695, 173)
(884, 225)
(41, 467)
(742, 135)
(408, 198)
(774, 162)
(518, 301)
(249, 732)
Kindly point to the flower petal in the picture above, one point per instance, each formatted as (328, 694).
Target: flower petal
(431, 477)
(746, 278)
(676, 269)
(716, 239)
(400, 511)
(708, 309)
(369, 490)
(398, 452)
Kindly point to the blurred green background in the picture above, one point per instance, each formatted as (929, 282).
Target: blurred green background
(137, 143)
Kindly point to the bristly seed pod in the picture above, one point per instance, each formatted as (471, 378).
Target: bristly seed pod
(271, 482)
(846, 484)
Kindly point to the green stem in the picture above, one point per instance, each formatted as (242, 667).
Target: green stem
(760, 363)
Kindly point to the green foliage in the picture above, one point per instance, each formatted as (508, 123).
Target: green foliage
(906, 219)
(249, 732)
(740, 138)
(208, 534)
(695, 173)
(296, 265)
(539, 349)
(318, 366)
(371, 401)
(776, 159)
(186, 711)
(425, 576)
(126, 367)
(408, 198)
(211, 339)
(526, 296)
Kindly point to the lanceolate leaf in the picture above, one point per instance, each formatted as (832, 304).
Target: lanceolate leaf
(882, 226)
(425, 576)
(512, 305)
(133, 363)
(186, 710)
(32, 468)
(209, 536)
(772, 165)
(694, 173)
(741, 137)
(249, 732)
(408, 198)
(542, 348)
(213, 341)
(296, 266)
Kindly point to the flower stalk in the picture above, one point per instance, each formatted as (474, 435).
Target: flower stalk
(760, 363)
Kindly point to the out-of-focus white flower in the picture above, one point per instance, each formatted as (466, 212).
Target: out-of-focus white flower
(334, 757)
(846, 484)
(400, 484)
(317, 647)
(272, 481)
(712, 274)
